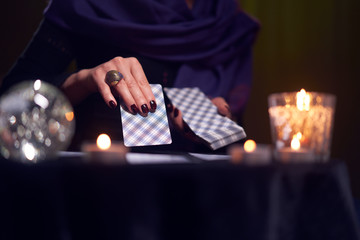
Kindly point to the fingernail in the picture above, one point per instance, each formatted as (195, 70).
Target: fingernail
(134, 109)
(112, 104)
(169, 107)
(153, 105)
(144, 108)
(176, 112)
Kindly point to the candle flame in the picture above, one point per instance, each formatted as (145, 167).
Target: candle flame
(103, 141)
(249, 145)
(295, 142)
(303, 100)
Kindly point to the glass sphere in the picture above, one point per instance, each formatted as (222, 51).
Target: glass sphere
(36, 121)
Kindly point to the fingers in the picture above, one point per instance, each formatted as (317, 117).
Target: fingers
(175, 117)
(134, 89)
(222, 106)
(143, 83)
(97, 76)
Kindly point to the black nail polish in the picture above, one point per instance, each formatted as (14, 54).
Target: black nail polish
(134, 109)
(153, 105)
(112, 104)
(176, 112)
(144, 108)
(169, 108)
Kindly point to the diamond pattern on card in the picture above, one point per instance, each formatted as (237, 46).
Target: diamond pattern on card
(202, 117)
(150, 130)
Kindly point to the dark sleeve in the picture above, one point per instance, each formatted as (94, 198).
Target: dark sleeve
(46, 57)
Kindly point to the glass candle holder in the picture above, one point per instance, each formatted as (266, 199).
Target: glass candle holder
(301, 125)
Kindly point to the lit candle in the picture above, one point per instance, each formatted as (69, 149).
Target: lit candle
(301, 124)
(250, 153)
(104, 150)
(303, 100)
(295, 152)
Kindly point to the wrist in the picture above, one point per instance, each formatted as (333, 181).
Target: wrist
(76, 86)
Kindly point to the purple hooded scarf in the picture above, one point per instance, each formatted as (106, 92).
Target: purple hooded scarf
(213, 39)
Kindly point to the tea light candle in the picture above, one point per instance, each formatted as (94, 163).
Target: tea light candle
(295, 153)
(104, 150)
(290, 155)
(250, 153)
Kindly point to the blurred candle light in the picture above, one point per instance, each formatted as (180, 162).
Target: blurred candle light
(301, 125)
(303, 100)
(104, 150)
(103, 141)
(250, 146)
(295, 153)
(295, 142)
(250, 153)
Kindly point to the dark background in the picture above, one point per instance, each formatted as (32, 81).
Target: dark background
(311, 44)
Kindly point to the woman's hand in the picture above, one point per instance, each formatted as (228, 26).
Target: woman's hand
(176, 120)
(222, 106)
(134, 89)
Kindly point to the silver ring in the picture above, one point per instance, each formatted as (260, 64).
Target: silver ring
(113, 77)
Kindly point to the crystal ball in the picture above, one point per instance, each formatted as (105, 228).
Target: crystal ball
(36, 122)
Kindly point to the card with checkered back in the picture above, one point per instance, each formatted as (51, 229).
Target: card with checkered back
(203, 119)
(150, 130)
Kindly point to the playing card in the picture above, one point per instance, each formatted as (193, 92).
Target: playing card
(203, 119)
(150, 130)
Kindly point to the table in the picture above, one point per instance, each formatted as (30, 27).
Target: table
(72, 199)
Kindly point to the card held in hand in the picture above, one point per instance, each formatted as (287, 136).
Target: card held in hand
(203, 119)
(150, 130)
